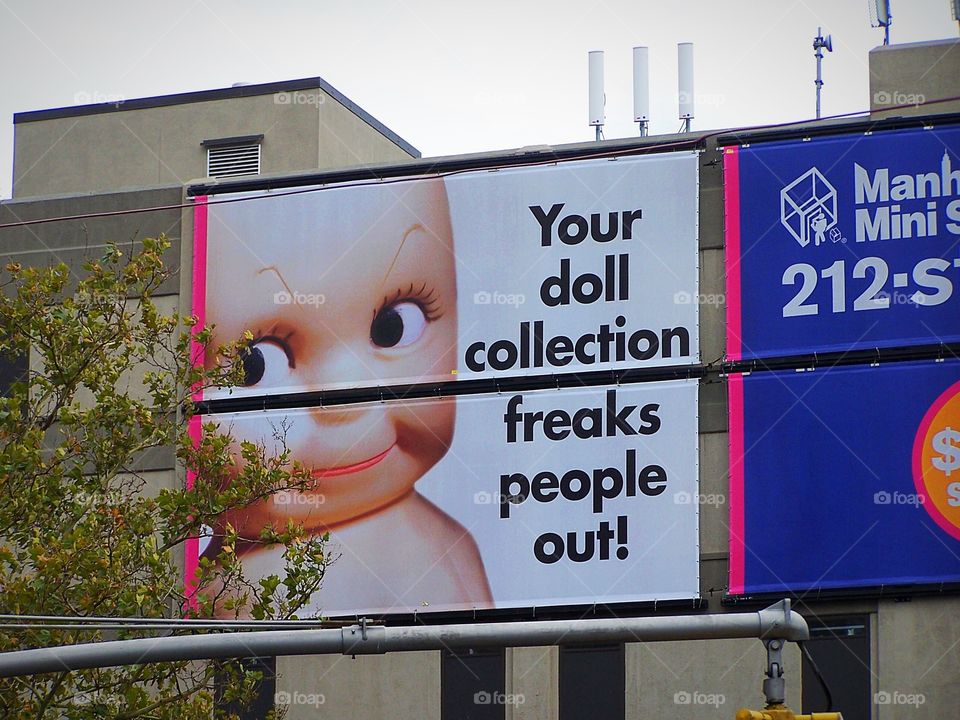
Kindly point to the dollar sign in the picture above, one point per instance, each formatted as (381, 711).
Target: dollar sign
(947, 442)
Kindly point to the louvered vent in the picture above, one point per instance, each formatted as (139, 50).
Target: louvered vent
(233, 160)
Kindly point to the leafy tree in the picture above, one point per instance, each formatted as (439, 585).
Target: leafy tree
(82, 534)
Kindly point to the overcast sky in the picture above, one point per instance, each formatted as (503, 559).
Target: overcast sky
(453, 77)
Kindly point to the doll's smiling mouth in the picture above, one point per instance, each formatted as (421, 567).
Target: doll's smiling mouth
(353, 467)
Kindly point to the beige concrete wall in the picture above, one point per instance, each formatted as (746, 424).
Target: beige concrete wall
(702, 678)
(404, 685)
(913, 73)
(302, 130)
(682, 680)
(533, 674)
(917, 671)
(73, 242)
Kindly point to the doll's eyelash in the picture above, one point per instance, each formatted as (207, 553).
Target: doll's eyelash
(423, 295)
(282, 341)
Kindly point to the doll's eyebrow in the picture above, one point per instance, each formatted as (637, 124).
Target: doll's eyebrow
(406, 234)
(275, 271)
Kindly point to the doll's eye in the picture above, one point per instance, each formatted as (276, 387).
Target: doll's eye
(265, 360)
(398, 325)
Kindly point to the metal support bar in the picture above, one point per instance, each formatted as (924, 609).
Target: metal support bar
(774, 685)
(777, 621)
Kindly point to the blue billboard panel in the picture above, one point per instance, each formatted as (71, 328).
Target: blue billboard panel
(843, 243)
(845, 478)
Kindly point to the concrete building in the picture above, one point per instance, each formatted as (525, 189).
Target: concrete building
(280, 127)
(904, 76)
(149, 153)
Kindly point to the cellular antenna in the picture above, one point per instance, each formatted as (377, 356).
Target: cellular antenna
(819, 43)
(597, 97)
(641, 88)
(955, 9)
(880, 17)
(685, 83)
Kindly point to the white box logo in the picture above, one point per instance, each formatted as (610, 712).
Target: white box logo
(808, 207)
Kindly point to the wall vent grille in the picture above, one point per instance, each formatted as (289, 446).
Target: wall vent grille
(233, 160)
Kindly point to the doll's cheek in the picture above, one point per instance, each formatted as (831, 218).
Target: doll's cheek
(425, 430)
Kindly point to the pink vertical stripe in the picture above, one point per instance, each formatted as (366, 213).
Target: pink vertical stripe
(199, 279)
(731, 215)
(192, 546)
(737, 539)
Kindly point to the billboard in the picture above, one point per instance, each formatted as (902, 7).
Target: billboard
(845, 477)
(548, 497)
(843, 243)
(573, 267)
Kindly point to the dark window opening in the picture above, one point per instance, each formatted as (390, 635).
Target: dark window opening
(264, 693)
(840, 646)
(592, 682)
(473, 685)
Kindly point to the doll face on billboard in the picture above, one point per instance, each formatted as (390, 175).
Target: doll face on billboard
(342, 288)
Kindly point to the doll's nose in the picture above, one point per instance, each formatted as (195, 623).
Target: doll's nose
(342, 415)
(345, 365)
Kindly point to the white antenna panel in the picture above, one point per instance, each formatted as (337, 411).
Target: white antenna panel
(685, 77)
(596, 87)
(641, 84)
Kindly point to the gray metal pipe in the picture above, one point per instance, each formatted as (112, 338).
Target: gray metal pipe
(776, 621)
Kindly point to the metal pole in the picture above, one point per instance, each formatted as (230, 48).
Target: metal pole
(776, 621)
(819, 53)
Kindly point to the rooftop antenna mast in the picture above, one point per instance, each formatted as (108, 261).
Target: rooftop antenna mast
(641, 89)
(955, 9)
(819, 43)
(685, 83)
(597, 97)
(880, 17)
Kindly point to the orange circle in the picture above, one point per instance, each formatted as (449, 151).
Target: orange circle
(936, 460)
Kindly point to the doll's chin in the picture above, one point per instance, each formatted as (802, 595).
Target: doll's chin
(320, 519)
